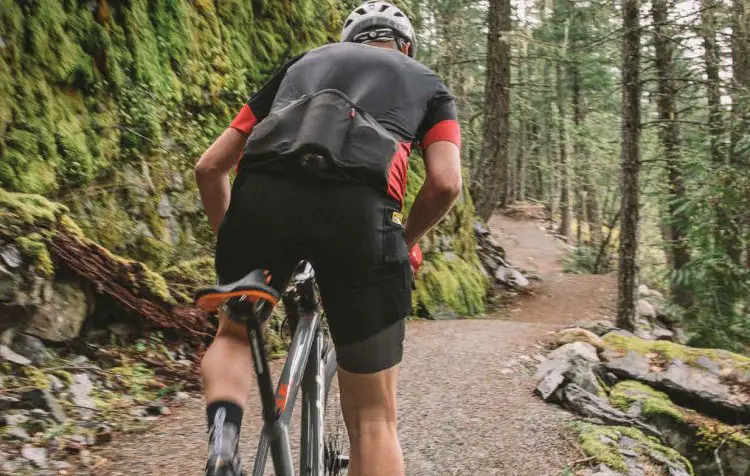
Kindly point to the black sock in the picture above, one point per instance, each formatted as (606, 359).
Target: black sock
(223, 411)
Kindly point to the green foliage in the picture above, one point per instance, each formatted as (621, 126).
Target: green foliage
(583, 260)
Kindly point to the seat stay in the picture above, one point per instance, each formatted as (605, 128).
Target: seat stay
(274, 435)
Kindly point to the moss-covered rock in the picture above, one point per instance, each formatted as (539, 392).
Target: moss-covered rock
(694, 435)
(451, 282)
(615, 445)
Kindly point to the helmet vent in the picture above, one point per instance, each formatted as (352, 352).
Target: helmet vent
(348, 22)
(398, 14)
(361, 11)
(384, 8)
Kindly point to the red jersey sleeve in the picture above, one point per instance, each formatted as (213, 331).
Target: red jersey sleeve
(440, 122)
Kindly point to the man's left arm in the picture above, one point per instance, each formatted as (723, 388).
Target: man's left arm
(213, 168)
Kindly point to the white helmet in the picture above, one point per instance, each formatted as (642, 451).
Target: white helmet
(374, 15)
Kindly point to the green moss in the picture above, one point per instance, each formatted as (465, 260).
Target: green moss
(34, 247)
(155, 285)
(459, 285)
(20, 211)
(670, 351)
(655, 403)
(600, 442)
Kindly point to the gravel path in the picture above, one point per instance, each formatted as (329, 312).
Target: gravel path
(466, 398)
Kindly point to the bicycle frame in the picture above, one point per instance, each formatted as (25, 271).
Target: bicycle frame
(303, 369)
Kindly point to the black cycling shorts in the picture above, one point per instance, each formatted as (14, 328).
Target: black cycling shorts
(353, 237)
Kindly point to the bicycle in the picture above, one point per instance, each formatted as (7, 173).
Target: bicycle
(310, 365)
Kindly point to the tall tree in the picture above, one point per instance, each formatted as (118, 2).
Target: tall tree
(740, 137)
(566, 199)
(669, 136)
(723, 231)
(497, 109)
(629, 165)
(523, 77)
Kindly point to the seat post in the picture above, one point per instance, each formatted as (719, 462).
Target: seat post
(253, 314)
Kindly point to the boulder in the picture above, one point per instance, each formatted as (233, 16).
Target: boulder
(643, 291)
(30, 347)
(7, 355)
(645, 309)
(693, 435)
(511, 277)
(628, 451)
(80, 391)
(61, 314)
(711, 381)
(575, 334)
(43, 399)
(570, 363)
(37, 456)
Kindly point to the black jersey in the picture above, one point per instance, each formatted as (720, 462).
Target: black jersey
(363, 105)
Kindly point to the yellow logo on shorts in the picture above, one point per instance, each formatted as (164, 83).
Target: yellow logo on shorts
(397, 218)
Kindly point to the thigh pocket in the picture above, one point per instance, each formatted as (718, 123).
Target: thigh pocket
(394, 244)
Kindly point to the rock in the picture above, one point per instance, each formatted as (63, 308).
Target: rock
(79, 361)
(13, 419)
(55, 384)
(588, 405)
(7, 355)
(61, 466)
(711, 381)
(180, 398)
(614, 447)
(38, 456)
(582, 349)
(42, 398)
(60, 316)
(569, 363)
(604, 470)
(30, 347)
(480, 229)
(121, 329)
(511, 277)
(659, 333)
(599, 327)
(185, 362)
(685, 430)
(10, 256)
(645, 309)
(164, 208)
(103, 435)
(85, 457)
(643, 291)
(574, 334)
(7, 402)
(80, 390)
(17, 433)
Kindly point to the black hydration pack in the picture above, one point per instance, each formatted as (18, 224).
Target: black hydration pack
(325, 133)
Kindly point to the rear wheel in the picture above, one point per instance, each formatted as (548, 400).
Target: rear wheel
(335, 437)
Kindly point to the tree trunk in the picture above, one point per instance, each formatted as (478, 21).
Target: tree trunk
(740, 155)
(552, 193)
(723, 233)
(677, 222)
(497, 110)
(629, 166)
(566, 202)
(580, 150)
(521, 160)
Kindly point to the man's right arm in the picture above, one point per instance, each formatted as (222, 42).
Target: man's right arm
(440, 137)
(440, 189)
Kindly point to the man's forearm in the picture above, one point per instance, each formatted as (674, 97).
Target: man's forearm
(215, 194)
(429, 208)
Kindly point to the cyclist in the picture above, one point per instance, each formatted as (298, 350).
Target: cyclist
(321, 152)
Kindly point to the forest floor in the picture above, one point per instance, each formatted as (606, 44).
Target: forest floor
(466, 402)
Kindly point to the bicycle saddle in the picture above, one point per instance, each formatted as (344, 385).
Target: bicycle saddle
(252, 287)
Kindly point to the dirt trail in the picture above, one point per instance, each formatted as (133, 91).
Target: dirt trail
(466, 401)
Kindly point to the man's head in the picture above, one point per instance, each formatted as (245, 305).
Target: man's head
(380, 24)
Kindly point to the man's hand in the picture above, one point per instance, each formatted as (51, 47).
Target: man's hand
(212, 174)
(415, 258)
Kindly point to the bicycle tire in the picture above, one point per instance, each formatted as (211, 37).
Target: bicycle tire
(335, 438)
